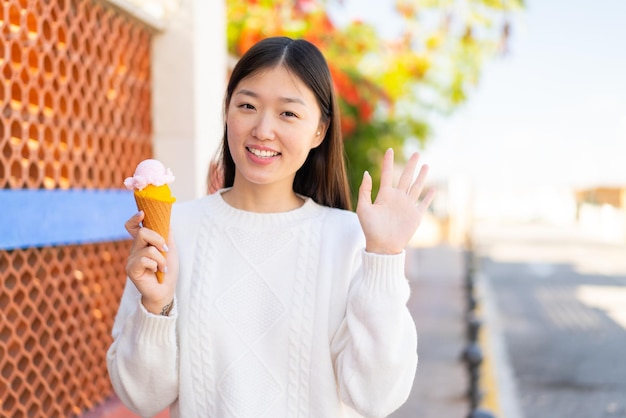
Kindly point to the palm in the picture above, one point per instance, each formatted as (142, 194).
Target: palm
(391, 220)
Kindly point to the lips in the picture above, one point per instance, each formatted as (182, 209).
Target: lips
(262, 153)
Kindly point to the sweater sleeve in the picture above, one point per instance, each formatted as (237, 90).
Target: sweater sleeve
(142, 361)
(375, 348)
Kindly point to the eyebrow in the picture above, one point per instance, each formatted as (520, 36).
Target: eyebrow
(250, 93)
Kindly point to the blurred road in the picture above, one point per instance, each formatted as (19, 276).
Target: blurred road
(561, 297)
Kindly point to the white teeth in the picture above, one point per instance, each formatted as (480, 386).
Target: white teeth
(262, 153)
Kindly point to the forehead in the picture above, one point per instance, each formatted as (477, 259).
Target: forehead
(276, 81)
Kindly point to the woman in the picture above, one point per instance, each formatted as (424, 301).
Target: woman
(277, 301)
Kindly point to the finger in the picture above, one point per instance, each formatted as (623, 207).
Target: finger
(386, 174)
(148, 258)
(138, 266)
(170, 258)
(158, 256)
(150, 252)
(171, 248)
(365, 191)
(133, 225)
(416, 189)
(426, 201)
(146, 237)
(407, 174)
(149, 264)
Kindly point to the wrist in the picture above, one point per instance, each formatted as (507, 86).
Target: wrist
(162, 307)
(383, 250)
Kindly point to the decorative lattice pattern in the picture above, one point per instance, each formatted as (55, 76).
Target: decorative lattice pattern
(57, 307)
(75, 94)
(75, 102)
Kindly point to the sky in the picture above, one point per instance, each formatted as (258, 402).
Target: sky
(550, 114)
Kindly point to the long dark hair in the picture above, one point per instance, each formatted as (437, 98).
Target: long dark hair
(323, 176)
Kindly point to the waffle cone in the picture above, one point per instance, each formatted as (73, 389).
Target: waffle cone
(156, 217)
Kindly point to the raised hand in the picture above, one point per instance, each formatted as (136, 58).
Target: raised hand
(391, 220)
(143, 261)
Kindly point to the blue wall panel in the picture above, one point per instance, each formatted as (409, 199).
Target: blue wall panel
(37, 218)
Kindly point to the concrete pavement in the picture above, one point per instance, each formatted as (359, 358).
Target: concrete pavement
(438, 307)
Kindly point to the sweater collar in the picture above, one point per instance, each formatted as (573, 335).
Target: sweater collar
(230, 215)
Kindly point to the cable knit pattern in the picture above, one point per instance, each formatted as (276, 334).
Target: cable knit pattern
(201, 368)
(302, 325)
(277, 315)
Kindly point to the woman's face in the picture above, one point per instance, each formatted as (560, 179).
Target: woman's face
(273, 121)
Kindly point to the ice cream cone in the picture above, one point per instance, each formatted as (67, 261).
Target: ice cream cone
(156, 204)
(154, 197)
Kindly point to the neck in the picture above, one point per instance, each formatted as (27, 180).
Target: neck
(262, 199)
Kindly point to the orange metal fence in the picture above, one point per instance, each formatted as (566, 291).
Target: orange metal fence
(75, 100)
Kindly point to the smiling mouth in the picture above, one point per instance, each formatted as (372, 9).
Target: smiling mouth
(262, 153)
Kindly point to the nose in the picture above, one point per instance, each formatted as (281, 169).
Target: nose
(264, 128)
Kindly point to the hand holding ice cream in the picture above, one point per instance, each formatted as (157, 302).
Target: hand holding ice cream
(153, 196)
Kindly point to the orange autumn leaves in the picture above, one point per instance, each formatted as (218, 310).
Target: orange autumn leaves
(430, 66)
(388, 88)
(358, 100)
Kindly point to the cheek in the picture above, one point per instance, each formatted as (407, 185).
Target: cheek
(233, 138)
(234, 128)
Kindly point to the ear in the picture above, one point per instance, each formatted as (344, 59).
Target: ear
(320, 134)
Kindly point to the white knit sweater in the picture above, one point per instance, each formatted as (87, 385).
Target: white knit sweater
(280, 315)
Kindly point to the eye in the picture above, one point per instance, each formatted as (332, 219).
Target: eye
(246, 106)
(290, 114)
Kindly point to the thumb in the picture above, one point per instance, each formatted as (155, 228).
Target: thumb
(365, 190)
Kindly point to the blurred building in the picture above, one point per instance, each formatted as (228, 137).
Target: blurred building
(613, 196)
(603, 210)
(89, 89)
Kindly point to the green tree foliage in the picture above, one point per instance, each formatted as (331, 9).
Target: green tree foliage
(388, 88)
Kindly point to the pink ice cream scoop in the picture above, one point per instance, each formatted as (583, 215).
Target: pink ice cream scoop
(149, 172)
